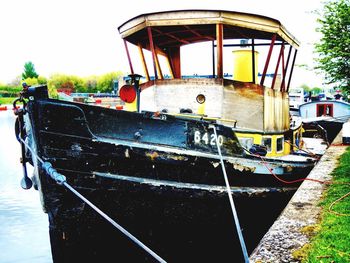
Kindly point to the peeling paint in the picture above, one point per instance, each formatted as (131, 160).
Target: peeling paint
(215, 164)
(152, 155)
(177, 157)
(156, 155)
(250, 191)
(288, 168)
(242, 168)
(75, 150)
(250, 164)
(127, 155)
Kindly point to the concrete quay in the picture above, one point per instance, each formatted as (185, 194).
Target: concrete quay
(286, 234)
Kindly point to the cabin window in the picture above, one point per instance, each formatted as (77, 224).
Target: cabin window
(279, 144)
(324, 110)
(247, 143)
(266, 141)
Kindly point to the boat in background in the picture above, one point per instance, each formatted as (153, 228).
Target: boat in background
(164, 167)
(328, 114)
(296, 98)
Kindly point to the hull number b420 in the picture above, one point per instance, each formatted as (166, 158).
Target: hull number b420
(206, 138)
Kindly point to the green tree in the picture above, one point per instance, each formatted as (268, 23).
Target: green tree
(42, 80)
(316, 90)
(105, 82)
(59, 81)
(91, 84)
(305, 87)
(334, 46)
(30, 81)
(35, 81)
(29, 71)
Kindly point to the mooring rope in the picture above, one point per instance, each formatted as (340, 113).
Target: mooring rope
(233, 208)
(330, 208)
(61, 180)
(305, 151)
(264, 162)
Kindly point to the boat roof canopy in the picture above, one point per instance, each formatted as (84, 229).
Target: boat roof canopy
(181, 27)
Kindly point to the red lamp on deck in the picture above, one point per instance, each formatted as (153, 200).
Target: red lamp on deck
(127, 93)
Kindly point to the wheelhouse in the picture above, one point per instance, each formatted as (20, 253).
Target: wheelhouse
(258, 50)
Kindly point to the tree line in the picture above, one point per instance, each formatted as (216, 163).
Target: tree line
(91, 84)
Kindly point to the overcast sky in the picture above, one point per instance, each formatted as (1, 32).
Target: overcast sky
(80, 37)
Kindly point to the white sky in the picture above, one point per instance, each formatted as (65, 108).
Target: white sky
(81, 37)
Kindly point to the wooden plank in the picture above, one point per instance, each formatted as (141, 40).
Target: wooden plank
(219, 50)
(283, 84)
(144, 65)
(277, 66)
(175, 61)
(254, 26)
(292, 68)
(128, 55)
(154, 56)
(169, 67)
(267, 60)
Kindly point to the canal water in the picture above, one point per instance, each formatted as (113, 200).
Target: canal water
(24, 235)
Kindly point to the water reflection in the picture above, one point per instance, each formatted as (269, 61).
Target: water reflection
(24, 235)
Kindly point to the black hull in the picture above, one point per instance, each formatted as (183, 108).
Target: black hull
(332, 128)
(161, 186)
(177, 224)
(326, 129)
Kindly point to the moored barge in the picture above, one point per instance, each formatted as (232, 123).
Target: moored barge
(161, 174)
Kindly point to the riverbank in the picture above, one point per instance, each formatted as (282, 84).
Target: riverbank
(330, 238)
(288, 240)
(6, 101)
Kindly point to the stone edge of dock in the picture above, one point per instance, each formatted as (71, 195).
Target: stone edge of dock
(286, 235)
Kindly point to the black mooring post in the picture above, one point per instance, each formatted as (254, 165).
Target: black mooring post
(135, 79)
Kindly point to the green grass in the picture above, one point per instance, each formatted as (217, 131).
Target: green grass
(331, 243)
(6, 100)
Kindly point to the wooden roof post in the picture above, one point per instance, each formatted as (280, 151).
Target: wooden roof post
(170, 68)
(175, 61)
(128, 55)
(253, 61)
(291, 71)
(154, 55)
(277, 66)
(268, 60)
(213, 57)
(219, 44)
(144, 65)
(283, 67)
(159, 69)
(283, 84)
